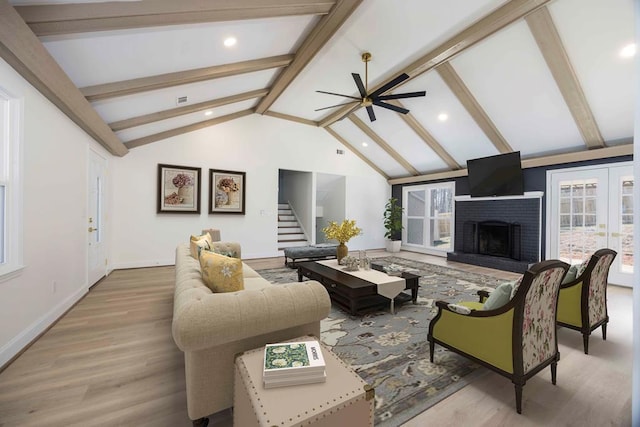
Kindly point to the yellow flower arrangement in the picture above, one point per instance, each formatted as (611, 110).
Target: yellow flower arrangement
(343, 232)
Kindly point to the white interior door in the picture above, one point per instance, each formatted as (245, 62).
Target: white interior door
(592, 208)
(97, 258)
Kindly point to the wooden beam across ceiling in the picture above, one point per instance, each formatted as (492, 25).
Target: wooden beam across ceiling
(54, 19)
(485, 27)
(469, 102)
(144, 84)
(21, 49)
(291, 118)
(427, 138)
(321, 33)
(384, 145)
(356, 152)
(187, 109)
(548, 40)
(184, 129)
(535, 162)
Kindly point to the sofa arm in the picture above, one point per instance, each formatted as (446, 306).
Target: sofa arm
(216, 319)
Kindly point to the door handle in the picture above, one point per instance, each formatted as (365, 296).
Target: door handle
(91, 229)
(616, 235)
(601, 234)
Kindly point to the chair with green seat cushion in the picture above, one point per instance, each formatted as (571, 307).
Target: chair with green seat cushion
(582, 304)
(516, 340)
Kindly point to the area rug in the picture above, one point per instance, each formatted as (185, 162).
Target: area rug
(391, 352)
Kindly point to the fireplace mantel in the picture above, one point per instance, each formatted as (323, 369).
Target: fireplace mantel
(526, 195)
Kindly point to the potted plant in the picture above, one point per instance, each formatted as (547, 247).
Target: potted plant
(342, 233)
(393, 224)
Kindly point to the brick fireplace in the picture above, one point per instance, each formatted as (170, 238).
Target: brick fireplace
(498, 232)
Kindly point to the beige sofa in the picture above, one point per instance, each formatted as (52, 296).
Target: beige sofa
(211, 329)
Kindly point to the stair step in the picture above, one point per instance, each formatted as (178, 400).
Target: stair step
(286, 218)
(288, 223)
(289, 237)
(285, 212)
(283, 206)
(289, 230)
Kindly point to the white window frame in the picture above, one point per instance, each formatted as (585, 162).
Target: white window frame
(451, 185)
(11, 178)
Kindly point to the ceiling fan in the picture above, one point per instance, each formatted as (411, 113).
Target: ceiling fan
(367, 99)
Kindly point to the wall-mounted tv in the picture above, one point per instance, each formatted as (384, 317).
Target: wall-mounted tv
(499, 175)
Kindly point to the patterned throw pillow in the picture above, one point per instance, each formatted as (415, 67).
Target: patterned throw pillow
(221, 273)
(499, 297)
(197, 243)
(230, 254)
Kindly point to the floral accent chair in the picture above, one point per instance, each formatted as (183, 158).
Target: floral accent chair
(582, 304)
(516, 340)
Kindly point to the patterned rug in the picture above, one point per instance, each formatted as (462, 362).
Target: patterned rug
(391, 352)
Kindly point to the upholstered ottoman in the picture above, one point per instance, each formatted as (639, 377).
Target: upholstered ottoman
(344, 399)
(309, 253)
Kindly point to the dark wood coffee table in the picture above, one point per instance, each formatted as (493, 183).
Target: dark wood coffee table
(352, 293)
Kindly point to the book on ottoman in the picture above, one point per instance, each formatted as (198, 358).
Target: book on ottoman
(292, 363)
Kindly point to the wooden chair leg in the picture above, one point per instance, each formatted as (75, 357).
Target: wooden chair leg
(201, 422)
(432, 346)
(604, 331)
(585, 340)
(554, 368)
(519, 398)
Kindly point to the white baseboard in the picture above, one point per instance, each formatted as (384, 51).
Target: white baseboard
(15, 346)
(142, 264)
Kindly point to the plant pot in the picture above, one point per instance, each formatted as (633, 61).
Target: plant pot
(393, 245)
(341, 251)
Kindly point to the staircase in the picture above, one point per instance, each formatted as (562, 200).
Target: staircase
(289, 232)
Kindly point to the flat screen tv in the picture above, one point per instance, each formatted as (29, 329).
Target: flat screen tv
(499, 175)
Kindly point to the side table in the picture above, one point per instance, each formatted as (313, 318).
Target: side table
(344, 399)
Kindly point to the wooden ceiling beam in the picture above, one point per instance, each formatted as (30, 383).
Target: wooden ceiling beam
(427, 138)
(291, 118)
(21, 49)
(321, 33)
(185, 129)
(548, 40)
(469, 102)
(480, 30)
(161, 81)
(384, 145)
(187, 109)
(356, 152)
(46, 20)
(550, 160)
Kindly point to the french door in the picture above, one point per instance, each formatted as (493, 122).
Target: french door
(592, 208)
(428, 217)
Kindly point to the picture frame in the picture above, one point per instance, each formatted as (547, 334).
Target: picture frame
(178, 189)
(227, 191)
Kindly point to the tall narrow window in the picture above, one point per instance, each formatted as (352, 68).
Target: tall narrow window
(10, 186)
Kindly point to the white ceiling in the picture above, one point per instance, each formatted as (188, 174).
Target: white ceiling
(506, 73)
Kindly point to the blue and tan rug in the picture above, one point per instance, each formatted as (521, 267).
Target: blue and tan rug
(391, 352)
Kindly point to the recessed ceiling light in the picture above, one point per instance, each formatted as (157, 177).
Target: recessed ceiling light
(443, 117)
(628, 51)
(364, 144)
(230, 41)
(208, 113)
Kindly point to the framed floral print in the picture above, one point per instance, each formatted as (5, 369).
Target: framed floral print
(226, 191)
(178, 189)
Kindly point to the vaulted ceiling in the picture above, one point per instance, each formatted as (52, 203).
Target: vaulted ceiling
(543, 77)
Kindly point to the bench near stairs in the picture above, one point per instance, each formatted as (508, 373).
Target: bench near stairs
(309, 253)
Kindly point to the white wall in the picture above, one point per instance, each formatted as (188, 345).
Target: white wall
(258, 145)
(54, 219)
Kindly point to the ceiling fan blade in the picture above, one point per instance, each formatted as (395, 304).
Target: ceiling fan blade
(390, 106)
(402, 77)
(358, 80)
(336, 105)
(338, 94)
(401, 95)
(372, 116)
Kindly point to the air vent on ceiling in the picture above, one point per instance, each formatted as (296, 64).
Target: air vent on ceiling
(339, 151)
(181, 100)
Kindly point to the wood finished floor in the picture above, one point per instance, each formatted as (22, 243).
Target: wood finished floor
(111, 361)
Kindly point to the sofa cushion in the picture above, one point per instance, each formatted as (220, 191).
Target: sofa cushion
(197, 243)
(221, 273)
(499, 297)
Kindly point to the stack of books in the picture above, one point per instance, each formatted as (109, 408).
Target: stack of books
(293, 363)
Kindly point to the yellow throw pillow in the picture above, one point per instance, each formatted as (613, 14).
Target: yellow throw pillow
(197, 243)
(221, 273)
